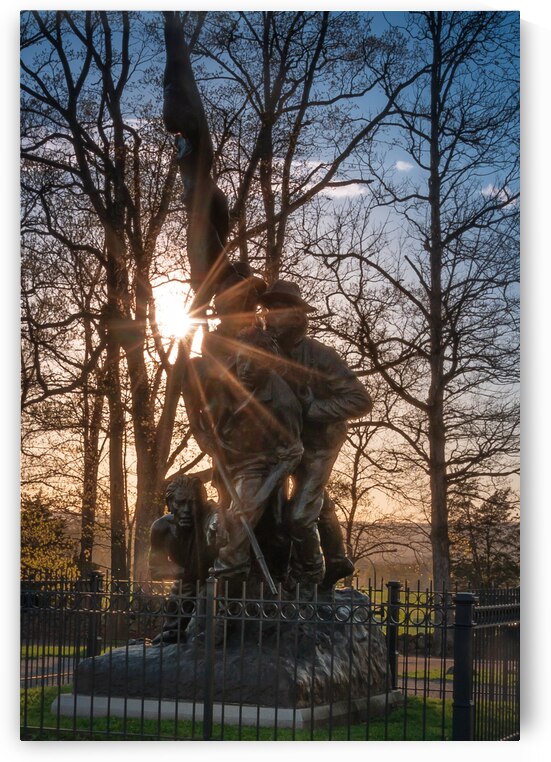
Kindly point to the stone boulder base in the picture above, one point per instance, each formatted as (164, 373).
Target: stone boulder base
(331, 653)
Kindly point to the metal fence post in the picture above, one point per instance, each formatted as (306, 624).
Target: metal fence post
(93, 642)
(210, 623)
(392, 617)
(463, 704)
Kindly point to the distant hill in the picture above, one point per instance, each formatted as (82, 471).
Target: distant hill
(409, 558)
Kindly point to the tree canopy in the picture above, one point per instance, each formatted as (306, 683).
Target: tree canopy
(46, 550)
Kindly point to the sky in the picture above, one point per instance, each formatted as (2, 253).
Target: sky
(381, 21)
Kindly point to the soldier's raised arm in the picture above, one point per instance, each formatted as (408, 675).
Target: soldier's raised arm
(206, 205)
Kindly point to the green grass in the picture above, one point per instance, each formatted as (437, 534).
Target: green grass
(430, 674)
(485, 678)
(39, 652)
(418, 720)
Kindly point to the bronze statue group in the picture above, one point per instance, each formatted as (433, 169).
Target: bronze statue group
(268, 403)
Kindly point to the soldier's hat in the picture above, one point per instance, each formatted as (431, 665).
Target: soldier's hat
(285, 291)
(241, 274)
(240, 289)
(243, 271)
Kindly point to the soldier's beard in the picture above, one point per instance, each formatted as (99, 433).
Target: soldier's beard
(287, 331)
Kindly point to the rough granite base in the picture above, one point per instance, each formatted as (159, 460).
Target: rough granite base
(331, 657)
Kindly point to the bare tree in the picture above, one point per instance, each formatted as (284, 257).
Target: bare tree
(62, 354)
(436, 309)
(77, 122)
(288, 111)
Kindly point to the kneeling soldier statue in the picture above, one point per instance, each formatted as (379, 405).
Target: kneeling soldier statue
(179, 550)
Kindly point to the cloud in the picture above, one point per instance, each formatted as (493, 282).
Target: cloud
(345, 191)
(489, 191)
(501, 194)
(403, 166)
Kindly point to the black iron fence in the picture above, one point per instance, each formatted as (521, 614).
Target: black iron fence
(121, 660)
(496, 667)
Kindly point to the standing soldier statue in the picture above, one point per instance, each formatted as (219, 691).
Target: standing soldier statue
(259, 443)
(210, 381)
(330, 394)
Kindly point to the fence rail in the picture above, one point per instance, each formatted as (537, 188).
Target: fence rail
(450, 668)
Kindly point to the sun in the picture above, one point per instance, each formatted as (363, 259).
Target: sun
(172, 301)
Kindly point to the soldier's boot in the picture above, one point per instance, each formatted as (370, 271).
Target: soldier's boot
(307, 566)
(337, 569)
(167, 637)
(337, 564)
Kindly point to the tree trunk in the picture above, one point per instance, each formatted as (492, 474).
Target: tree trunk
(439, 510)
(149, 506)
(437, 432)
(117, 300)
(143, 420)
(272, 254)
(90, 481)
(93, 399)
(116, 469)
